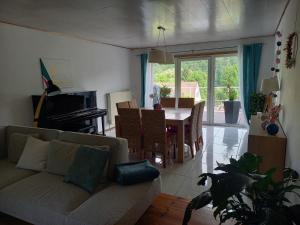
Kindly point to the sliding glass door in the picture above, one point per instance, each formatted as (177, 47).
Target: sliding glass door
(194, 80)
(215, 80)
(226, 90)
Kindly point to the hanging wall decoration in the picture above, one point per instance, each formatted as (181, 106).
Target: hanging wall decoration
(291, 49)
(291, 46)
(275, 68)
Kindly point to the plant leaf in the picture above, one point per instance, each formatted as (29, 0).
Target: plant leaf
(294, 212)
(198, 202)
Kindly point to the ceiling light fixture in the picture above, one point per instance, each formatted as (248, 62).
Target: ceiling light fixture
(161, 56)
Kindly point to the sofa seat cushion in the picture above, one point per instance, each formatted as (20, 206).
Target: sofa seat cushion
(41, 199)
(116, 205)
(9, 174)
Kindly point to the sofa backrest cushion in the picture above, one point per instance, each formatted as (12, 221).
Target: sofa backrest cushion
(60, 156)
(44, 134)
(16, 144)
(117, 146)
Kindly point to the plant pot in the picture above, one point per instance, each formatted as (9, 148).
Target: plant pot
(232, 109)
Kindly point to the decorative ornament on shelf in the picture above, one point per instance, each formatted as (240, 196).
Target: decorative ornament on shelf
(269, 123)
(291, 49)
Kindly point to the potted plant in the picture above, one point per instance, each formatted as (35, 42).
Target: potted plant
(231, 107)
(257, 103)
(248, 197)
(165, 91)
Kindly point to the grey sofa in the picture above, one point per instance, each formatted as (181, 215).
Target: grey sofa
(44, 199)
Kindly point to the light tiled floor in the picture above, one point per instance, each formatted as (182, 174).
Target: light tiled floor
(220, 143)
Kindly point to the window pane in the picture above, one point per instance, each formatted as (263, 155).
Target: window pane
(194, 81)
(164, 75)
(226, 87)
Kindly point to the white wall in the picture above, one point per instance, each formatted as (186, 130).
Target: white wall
(290, 85)
(94, 66)
(266, 59)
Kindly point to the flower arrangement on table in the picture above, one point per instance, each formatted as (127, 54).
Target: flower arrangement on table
(274, 113)
(269, 120)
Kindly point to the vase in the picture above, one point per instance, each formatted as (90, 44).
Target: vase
(232, 109)
(272, 128)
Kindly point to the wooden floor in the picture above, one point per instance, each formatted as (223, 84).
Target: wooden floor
(165, 210)
(169, 210)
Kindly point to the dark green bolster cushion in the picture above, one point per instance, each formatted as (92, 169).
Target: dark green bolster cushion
(135, 172)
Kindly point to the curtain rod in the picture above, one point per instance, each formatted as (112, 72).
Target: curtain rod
(195, 50)
(202, 50)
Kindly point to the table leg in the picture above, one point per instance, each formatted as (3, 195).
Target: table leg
(117, 126)
(103, 126)
(180, 141)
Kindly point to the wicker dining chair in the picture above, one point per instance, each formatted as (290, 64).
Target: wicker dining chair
(122, 105)
(133, 104)
(131, 128)
(168, 102)
(191, 129)
(186, 102)
(199, 125)
(155, 134)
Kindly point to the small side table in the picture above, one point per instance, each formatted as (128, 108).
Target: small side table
(272, 148)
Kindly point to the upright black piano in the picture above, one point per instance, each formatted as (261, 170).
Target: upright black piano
(76, 111)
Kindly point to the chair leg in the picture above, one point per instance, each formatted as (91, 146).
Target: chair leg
(197, 146)
(174, 151)
(192, 150)
(153, 154)
(201, 140)
(164, 161)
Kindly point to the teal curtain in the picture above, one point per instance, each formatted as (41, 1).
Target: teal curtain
(144, 60)
(251, 63)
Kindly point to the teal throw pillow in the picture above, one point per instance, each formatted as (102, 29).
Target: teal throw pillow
(88, 167)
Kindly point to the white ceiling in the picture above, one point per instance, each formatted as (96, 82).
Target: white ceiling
(133, 23)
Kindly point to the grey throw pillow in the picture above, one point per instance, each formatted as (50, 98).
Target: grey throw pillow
(16, 144)
(60, 156)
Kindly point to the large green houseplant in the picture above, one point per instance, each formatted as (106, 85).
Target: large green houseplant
(248, 197)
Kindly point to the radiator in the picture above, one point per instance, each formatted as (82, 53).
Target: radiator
(113, 98)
